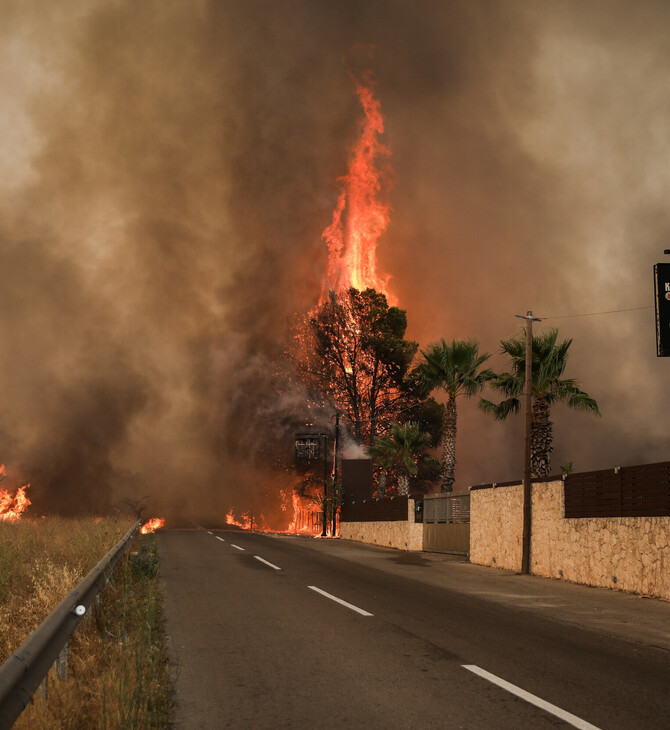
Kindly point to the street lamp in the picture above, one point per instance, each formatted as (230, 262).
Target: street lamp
(308, 448)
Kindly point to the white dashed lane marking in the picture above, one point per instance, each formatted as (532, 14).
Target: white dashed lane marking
(267, 562)
(532, 699)
(340, 601)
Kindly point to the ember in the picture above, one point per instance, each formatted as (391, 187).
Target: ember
(155, 523)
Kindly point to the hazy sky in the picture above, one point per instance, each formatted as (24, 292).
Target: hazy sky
(167, 171)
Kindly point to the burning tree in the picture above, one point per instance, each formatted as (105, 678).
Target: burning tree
(354, 355)
(351, 349)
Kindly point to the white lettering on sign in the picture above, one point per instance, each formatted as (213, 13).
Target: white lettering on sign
(667, 286)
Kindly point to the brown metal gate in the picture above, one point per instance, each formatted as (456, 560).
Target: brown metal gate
(446, 523)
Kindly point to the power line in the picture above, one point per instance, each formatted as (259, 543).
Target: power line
(593, 314)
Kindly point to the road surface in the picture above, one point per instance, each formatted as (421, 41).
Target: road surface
(287, 632)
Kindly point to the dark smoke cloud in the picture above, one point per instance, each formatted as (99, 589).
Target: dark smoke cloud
(169, 168)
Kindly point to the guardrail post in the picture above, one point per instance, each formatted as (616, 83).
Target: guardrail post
(60, 665)
(44, 688)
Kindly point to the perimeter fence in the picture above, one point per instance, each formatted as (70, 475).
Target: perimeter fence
(628, 491)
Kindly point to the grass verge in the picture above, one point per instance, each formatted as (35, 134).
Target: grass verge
(118, 672)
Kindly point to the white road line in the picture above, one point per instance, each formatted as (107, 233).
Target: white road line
(219, 538)
(272, 565)
(209, 533)
(340, 601)
(528, 697)
(237, 547)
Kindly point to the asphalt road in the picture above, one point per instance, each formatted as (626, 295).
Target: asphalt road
(261, 639)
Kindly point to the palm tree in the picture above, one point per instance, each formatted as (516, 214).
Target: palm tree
(403, 447)
(456, 369)
(548, 363)
(384, 454)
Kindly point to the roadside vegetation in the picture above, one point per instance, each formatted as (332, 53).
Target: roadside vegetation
(118, 674)
(354, 360)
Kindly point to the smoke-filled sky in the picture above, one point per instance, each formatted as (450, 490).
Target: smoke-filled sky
(167, 171)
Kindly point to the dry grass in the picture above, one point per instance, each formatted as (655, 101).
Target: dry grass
(118, 674)
(40, 562)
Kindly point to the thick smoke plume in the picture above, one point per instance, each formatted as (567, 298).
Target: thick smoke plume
(168, 169)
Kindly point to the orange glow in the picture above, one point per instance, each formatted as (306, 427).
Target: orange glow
(155, 523)
(13, 506)
(360, 217)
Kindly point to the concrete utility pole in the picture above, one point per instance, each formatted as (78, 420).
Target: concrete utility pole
(324, 531)
(527, 515)
(335, 455)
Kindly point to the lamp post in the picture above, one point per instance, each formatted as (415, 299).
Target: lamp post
(335, 457)
(307, 448)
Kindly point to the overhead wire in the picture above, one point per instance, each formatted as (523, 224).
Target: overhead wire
(593, 314)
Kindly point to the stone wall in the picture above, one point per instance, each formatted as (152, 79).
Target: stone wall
(496, 521)
(625, 553)
(404, 535)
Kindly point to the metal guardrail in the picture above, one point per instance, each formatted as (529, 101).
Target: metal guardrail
(23, 672)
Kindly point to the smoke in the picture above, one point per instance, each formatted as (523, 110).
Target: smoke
(168, 171)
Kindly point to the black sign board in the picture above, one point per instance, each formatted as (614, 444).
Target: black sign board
(662, 287)
(308, 447)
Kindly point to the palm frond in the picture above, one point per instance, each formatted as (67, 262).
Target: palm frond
(508, 384)
(500, 411)
(454, 367)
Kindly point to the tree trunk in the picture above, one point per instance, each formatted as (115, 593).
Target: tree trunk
(373, 403)
(381, 484)
(448, 445)
(403, 484)
(541, 439)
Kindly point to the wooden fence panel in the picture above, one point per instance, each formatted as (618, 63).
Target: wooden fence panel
(646, 490)
(388, 509)
(632, 491)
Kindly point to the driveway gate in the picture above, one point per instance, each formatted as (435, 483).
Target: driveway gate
(446, 523)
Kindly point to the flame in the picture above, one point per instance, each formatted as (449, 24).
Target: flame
(155, 523)
(360, 217)
(245, 522)
(12, 506)
(305, 517)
